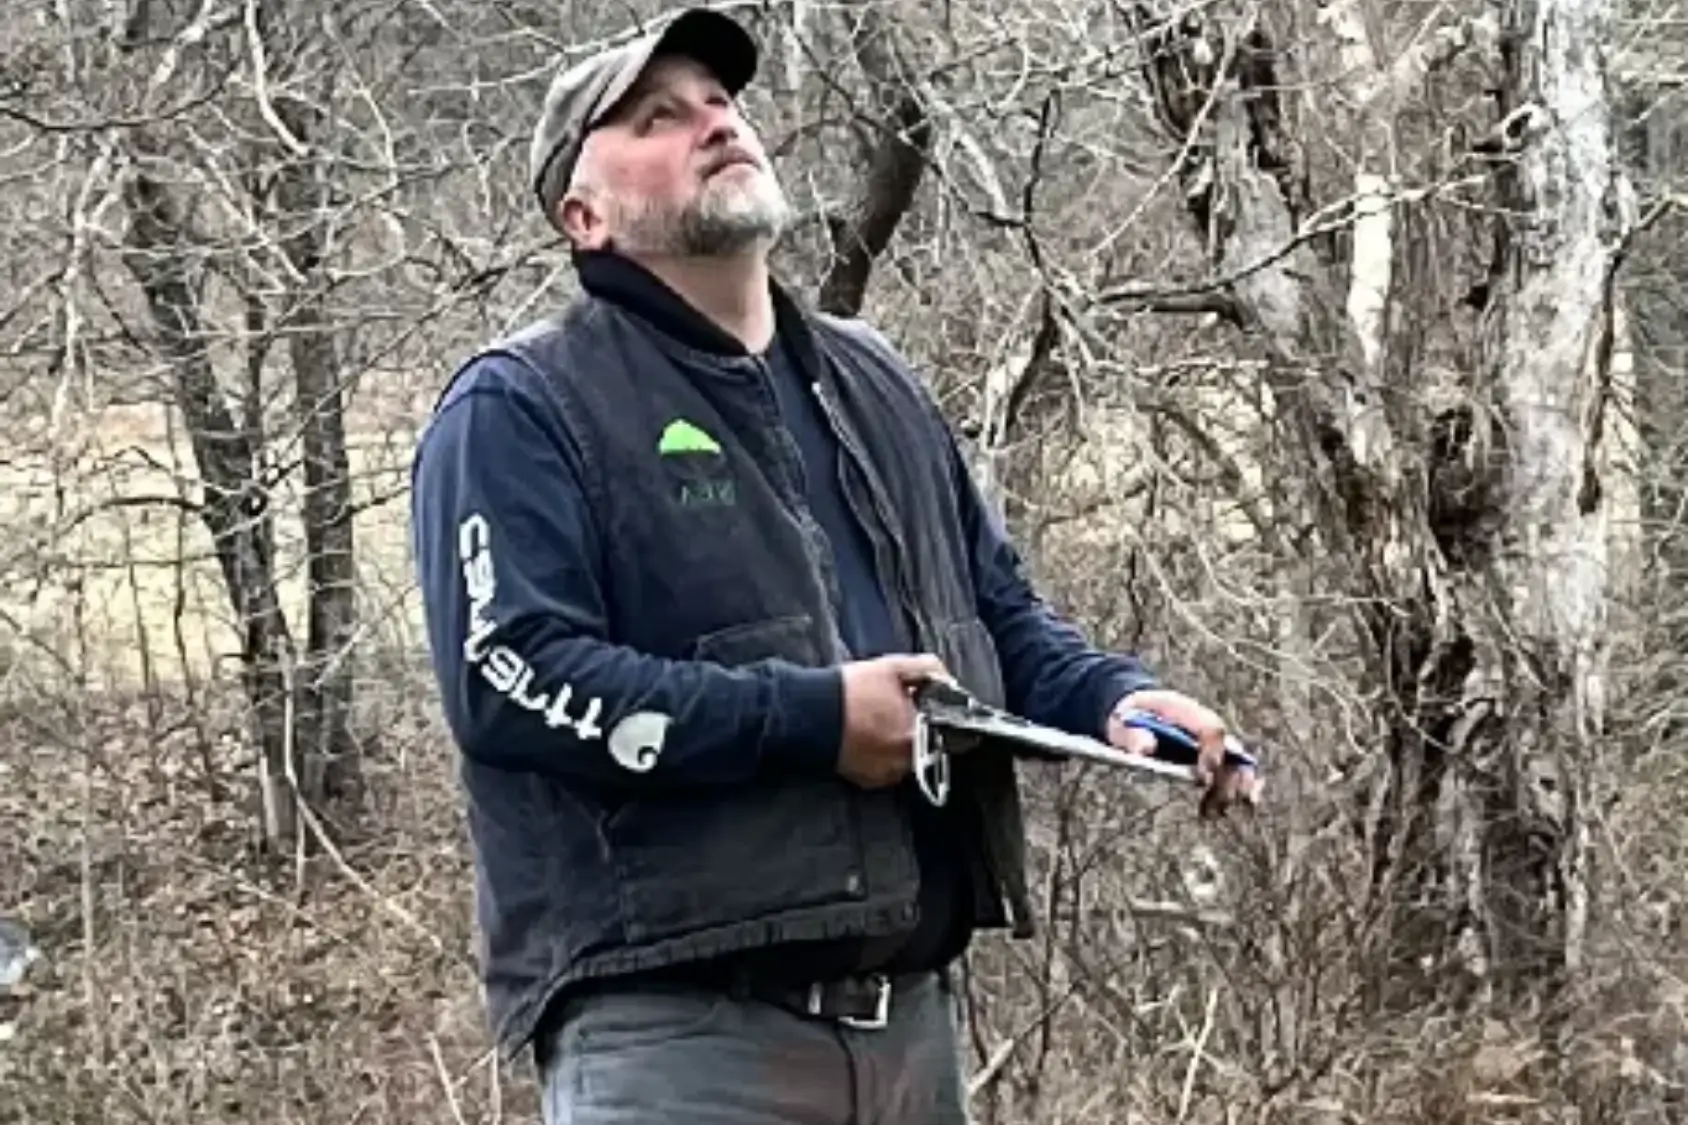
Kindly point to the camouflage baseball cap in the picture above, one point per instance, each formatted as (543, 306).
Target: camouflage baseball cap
(584, 94)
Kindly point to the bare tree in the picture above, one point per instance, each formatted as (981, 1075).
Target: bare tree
(165, 260)
(1458, 473)
(300, 203)
(895, 134)
(300, 701)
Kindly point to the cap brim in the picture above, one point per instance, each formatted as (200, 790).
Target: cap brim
(713, 39)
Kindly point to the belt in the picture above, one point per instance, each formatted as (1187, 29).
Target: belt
(862, 1002)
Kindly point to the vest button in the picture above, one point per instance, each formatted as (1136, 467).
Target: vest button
(853, 883)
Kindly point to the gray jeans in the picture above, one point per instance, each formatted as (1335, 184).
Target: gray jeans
(673, 1053)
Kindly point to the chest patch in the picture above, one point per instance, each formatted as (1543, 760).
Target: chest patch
(681, 437)
(697, 471)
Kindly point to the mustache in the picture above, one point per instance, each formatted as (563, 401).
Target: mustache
(730, 156)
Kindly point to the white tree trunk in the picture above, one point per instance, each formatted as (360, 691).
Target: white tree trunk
(1551, 345)
(1469, 505)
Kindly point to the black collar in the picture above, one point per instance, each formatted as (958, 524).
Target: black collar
(621, 281)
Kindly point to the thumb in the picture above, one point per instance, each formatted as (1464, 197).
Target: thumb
(911, 668)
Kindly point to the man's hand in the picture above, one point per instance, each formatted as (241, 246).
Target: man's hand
(879, 713)
(1223, 785)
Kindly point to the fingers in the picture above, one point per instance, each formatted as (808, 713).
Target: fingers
(1210, 761)
(909, 669)
(1136, 740)
(1182, 711)
(1232, 786)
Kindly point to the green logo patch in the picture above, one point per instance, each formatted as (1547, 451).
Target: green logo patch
(697, 466)
(681, 436)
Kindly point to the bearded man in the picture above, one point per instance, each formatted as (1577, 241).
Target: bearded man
(684, 547)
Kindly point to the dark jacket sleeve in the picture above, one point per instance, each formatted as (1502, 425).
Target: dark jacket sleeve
(510, 565)
(1052, 674)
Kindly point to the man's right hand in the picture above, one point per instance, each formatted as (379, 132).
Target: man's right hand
(878, 745)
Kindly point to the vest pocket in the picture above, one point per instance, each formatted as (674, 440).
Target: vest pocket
(789, 637)
(710, 858)
(701, 862)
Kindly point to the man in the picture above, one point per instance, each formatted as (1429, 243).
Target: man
(684, 548)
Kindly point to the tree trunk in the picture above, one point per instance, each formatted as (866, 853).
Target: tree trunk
(327, 671)
(326, 674)
(1453, 540)
(159, 251)
(895, 161)
(1548, 344)
(235, 504)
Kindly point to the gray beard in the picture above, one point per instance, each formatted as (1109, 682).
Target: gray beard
(703, 235)
(710, 227)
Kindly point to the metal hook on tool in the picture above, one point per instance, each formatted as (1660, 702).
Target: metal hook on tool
(931, 762)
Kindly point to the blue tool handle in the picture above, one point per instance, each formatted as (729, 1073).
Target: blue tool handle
(1177, 745)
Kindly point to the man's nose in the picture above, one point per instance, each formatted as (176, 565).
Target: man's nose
(720, 126)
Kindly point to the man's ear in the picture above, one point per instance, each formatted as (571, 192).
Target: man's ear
(581, 221)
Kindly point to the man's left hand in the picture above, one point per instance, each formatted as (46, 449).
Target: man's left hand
(1223, 785)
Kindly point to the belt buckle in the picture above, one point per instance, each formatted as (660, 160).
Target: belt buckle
(881, 1008)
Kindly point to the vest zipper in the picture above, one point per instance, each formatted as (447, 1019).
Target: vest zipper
(788, 444)
(802, 514)
(887, 528)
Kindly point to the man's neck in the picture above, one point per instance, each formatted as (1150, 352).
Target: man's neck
(731, 292)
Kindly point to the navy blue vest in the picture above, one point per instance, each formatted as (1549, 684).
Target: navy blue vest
(717, 557)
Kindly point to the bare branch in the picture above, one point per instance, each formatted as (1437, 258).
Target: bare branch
(890, 179)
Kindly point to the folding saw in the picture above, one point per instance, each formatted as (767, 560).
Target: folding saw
(943, 709)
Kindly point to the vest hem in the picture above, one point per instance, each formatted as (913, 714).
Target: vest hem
(516, 1031)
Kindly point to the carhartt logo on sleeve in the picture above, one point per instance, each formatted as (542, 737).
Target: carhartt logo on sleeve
(636, 741)
(506, 669)
(682, 437)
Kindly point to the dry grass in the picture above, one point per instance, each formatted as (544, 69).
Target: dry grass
(188, 978)
(115, 585)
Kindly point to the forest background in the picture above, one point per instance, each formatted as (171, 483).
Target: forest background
(1329, 353)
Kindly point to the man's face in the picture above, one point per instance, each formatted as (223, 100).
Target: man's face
(674, 172)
